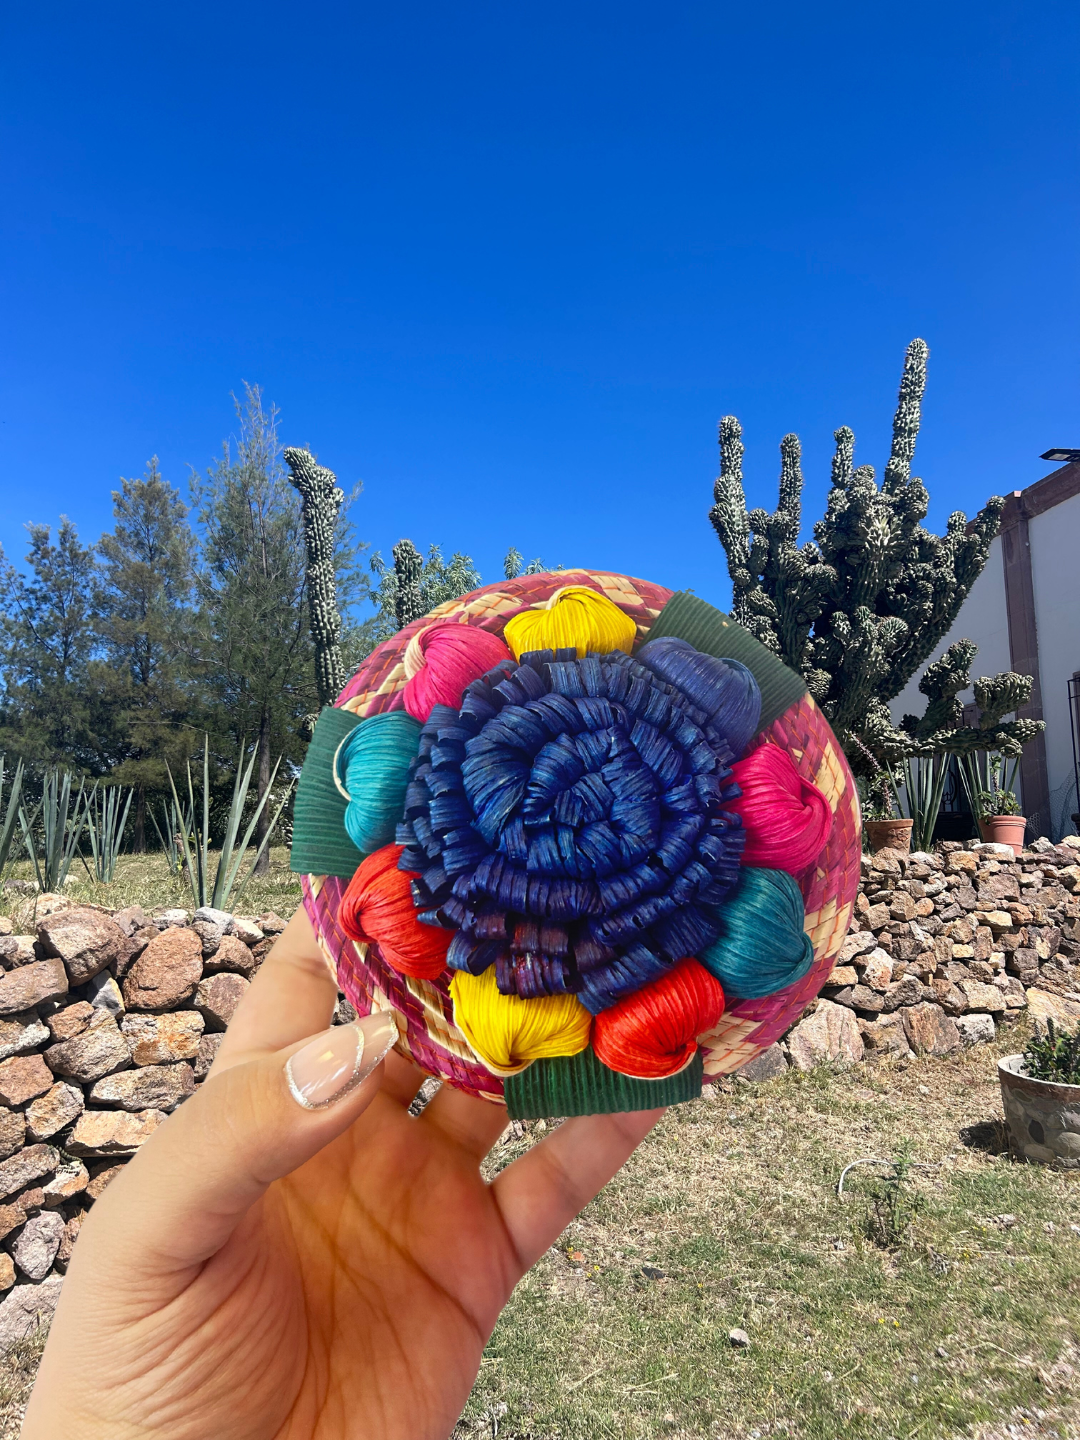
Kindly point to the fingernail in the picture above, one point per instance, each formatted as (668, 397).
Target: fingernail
(331, 1066)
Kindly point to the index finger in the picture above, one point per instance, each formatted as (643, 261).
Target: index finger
(292, 996)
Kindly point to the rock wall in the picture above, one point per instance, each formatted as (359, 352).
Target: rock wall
(108, 1020)
(944, 949)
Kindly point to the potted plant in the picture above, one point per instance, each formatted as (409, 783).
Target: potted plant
(1040, 1091)
(883, 827)
(989, 783)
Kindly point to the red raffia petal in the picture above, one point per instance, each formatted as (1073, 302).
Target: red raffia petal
(378, 908)
(653, 1033)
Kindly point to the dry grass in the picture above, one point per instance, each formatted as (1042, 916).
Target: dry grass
(145, 880)
(728, 1217)
(18, 1366)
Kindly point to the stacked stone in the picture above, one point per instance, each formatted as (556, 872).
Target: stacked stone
(108, 1021)
(943, 950)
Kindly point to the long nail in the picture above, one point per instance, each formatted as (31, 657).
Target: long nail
(331, 1066)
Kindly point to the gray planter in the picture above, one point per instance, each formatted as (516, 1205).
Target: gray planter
(1043, 1117)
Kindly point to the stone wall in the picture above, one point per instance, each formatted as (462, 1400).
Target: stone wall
(944, 949)
(108, 1020)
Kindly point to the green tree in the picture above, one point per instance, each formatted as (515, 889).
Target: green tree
(143, 621)
(514, 565)
(255, 649)
(50, 713)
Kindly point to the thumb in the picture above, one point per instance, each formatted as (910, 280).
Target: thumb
(181, 1197)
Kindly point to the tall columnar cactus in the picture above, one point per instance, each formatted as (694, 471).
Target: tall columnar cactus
(320, 501)
(859, 608)
(408, 597)
(413, 586)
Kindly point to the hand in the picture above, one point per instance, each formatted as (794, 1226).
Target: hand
(261, 1269)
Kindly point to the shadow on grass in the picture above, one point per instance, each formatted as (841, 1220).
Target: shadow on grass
(989, 1137)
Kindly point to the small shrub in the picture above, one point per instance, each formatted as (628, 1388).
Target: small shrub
(1054, 1055)
(892, 1204)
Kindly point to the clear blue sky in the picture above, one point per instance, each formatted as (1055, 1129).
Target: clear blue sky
(508, 264)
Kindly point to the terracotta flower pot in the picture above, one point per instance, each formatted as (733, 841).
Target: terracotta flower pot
(1043, 1116)
(1004, 830)
(888, 834)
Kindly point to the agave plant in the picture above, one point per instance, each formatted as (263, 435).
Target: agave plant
(178, 824)
(924, 779)
(196, 843)
(59, 825)
(9, 813)
(107, 812)
(990, 783)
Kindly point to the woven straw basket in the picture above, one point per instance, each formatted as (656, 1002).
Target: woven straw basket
(427, 1033)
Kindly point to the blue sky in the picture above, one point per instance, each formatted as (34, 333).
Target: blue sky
(508, 265)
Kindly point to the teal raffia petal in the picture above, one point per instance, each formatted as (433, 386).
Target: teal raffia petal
(372, 767)
(762, 946)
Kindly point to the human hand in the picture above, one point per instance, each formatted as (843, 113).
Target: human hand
(261, 1269)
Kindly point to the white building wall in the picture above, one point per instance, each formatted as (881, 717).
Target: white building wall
(984, 619)
(1055, 575)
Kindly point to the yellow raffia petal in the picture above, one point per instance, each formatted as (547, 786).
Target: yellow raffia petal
(575, 617)
(508, 1033)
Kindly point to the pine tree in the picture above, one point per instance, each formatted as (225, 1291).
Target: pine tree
(143, 620)
(50, 713)
(255, 639)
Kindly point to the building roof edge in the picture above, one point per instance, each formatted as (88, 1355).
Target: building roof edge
(1060, 485)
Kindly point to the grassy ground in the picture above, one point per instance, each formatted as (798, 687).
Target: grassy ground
(145, 880)
(954, 1314)
(960, 1322)
(17, 1370)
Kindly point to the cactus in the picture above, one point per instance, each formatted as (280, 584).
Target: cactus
(320, 501)
(941, 728)
(408, 568)
(415, 585)
(859, 608)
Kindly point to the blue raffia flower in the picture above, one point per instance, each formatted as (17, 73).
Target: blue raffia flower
(568, 822)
